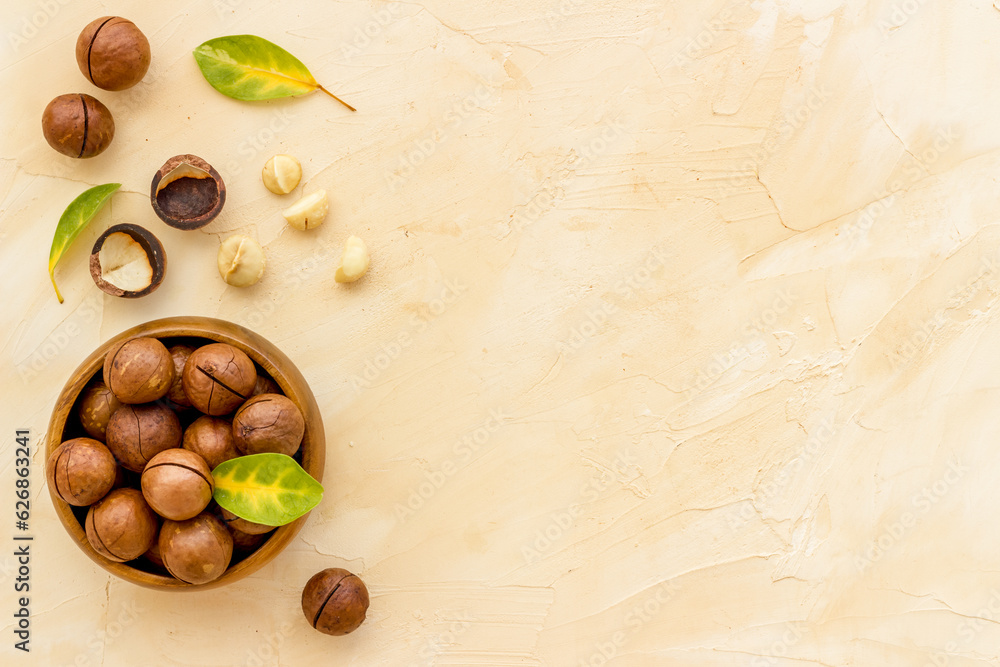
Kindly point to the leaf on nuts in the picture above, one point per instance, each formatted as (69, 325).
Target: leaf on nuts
(269, 489)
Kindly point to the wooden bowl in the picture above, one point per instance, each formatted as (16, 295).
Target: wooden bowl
(65, 424)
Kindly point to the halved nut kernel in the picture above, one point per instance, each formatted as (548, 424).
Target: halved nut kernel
(241, 261)
(281, 174)
(127, 261)
(354, 262)
(308, 212)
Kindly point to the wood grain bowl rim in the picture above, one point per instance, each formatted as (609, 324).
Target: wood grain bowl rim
(268, 357)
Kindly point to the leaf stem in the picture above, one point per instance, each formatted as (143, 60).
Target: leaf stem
(336, 98)
(53, 277)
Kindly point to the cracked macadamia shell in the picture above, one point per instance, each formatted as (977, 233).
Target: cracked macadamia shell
(197, 550)
(187, 192)
(179, 354)
(211, 438)
(177, 484)
(78, 125)
(112, 53)
(335, 601)
(268, 423)
(121, 526)
(139, 370)
(97, 404)
(128, 261)
(218, 378)
(242, 525)
(137, 433)
(81, 471)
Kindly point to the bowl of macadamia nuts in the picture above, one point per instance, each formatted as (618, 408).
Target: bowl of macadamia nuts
(139, 428)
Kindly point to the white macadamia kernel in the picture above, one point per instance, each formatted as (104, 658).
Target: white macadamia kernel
(308, 212)
(281, 174)
(354, 262)
(241, 261)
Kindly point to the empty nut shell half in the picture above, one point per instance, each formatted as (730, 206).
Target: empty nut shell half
(128, 261)
(187, 192)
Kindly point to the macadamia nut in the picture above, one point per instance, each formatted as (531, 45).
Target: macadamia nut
(308, 212)
(241, 261)
(354, 262)
(281, 174)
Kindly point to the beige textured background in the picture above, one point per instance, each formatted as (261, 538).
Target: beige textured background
(679, 345)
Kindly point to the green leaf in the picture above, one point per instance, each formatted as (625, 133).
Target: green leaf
(73, 220)
(271, 489)
(247, 67)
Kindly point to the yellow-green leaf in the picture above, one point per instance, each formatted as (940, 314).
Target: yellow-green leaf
(73, 220)
(271, 489)
(247, 67)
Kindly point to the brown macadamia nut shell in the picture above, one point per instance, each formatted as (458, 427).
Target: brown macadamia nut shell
(218, 378)
(179, 354)
(335, 601)
(78, 125)
(196, 551)
(97, 404)
(112, 53)
(137, 433)
(212, 439)
(268, 423)
(81, 471)
(139, 370)
(177, 484)
(244, 526)
(121, 526)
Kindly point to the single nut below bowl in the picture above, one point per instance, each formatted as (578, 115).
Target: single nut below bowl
(78, 125)
(112, 53)
(187, 192)
(128, 261)
(335, 601)
(250, 552)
